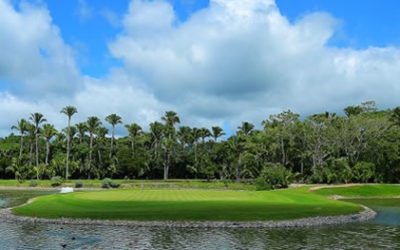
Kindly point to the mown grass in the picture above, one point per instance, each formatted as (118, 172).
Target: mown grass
(370, 190)
(140, 184)
(178, 205)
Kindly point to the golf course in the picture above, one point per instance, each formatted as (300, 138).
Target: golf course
(203, 205)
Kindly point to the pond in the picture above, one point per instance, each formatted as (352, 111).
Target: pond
(380, 233)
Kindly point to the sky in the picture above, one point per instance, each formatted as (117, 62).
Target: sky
(217, 62)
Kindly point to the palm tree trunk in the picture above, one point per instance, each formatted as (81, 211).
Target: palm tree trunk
(238, 168)
(112, 141)
(68, 143)
(90, 155)
(166, 167)
(47, 152)
(30, 153)
(37, 149)
(21, 148)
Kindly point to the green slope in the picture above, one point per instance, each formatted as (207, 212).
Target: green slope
(181, 205)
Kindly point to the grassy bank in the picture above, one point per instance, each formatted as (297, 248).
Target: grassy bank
(362, 191)
(139, 184)
(178, 205)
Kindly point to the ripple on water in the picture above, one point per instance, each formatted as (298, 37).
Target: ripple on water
(355, 236)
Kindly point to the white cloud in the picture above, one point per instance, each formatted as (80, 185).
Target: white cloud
(247, 57)
(232, 61)
(33, 56)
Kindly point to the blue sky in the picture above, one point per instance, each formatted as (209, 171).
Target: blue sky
(217, 63)
(84, 24)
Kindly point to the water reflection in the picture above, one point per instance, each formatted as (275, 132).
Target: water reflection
(361, 236)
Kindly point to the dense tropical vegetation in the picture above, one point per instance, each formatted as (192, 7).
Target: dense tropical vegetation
(362, 145)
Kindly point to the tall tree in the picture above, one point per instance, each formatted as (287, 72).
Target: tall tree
(217, 132)
(37, 120)
(69, 111)
(93, 123)
(48, 132)
(170, 118)
(156, 137)
(22, 127)
(81, 129)
(134, 130)
(113, 119)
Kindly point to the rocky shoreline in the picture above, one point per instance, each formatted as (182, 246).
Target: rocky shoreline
(366, 214)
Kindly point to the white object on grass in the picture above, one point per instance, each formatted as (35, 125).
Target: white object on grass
(65, 190)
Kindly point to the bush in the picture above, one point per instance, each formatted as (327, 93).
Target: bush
(274, 176)
(363, 171)
(33, 183)
(56, 181)
(261, 184)
(78, 184)
(108, 183)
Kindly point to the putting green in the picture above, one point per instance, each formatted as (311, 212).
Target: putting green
(178, 205)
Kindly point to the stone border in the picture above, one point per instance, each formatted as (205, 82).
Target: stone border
(366, 214)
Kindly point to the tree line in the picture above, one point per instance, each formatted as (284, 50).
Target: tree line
(362, 145)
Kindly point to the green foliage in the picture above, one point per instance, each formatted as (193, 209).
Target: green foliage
(274, 176)
(364, 171)
(56, 181)
(79, 184)
(33, 183)
(108, 183)
(261, 184)
(323, 148)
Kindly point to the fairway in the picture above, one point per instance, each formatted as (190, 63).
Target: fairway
(187, 205)
(381, 191)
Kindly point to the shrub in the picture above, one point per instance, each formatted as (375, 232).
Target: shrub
(274, 176)
(108, 183)
(56, 181)
(33, 183)
(78, 184)
(363, 171)
(261, 184)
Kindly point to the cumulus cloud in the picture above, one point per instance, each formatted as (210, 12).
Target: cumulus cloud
(247, 57)
(33, 56)
(232, 61)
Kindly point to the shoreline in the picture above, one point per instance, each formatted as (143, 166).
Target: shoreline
(365, 215)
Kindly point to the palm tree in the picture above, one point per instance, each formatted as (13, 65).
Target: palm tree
(196, 136)
(31, 138)
(246, 128)
(69, 111)
(81, 130)
(48, 132)
(185, 136)
(156, 137)
(134, 130)
(204, 133)
(92, 123)
(101, 133)
(22, 127)
(37, 119)
(170, 118)
(217, 132)
(113, 119)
